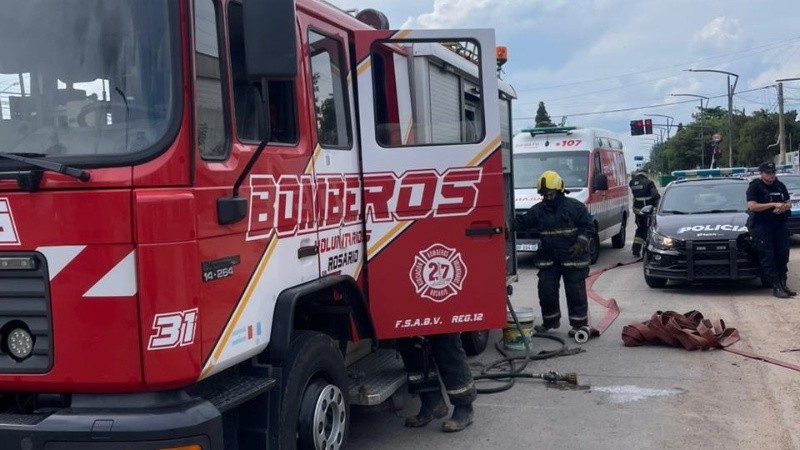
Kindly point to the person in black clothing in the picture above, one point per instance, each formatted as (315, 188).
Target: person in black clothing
(768, 206)
(425, 360)
(644, 193)
(564, 226)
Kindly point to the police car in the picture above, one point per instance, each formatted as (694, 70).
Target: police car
(792, 182)
(699, 233)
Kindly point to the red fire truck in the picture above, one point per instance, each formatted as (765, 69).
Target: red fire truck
(216, 216)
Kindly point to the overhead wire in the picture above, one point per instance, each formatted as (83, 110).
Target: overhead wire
(638, 108)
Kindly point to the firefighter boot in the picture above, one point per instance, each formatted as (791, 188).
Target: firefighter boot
(433, 407)
(545, 327)
(779, 292)
(786, 288)
(461, 418)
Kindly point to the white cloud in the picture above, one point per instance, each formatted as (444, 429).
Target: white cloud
(720, 34)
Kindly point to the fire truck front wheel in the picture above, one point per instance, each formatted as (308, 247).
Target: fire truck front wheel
(315, 413)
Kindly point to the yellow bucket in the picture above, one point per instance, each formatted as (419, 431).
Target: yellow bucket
(511, 336)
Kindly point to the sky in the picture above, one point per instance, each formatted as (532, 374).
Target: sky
(603, 63)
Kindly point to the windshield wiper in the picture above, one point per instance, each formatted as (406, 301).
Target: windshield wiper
(34, 160)
(673, 211)
(717, 211)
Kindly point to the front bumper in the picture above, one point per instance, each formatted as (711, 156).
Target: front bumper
(111, 422)
(702, 261)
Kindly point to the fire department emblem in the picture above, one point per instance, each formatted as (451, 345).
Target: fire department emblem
(8, 231)
(438, 273)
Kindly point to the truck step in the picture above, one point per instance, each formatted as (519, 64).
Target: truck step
(374, 378)
(238, 390)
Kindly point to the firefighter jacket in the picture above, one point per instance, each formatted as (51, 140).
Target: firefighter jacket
(644, 193)
(559, 224)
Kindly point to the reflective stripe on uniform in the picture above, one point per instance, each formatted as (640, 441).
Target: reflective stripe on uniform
(577, 318)
(461, 391)
(544, 264)
(575, 264)
(560, 232)
(638, 240)
(551, 316)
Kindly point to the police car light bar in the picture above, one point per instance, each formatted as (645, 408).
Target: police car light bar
(778, 168)
(709, 172)
(548, 130)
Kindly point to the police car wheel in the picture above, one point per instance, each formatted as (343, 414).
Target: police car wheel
(315, 413)
(475, 342)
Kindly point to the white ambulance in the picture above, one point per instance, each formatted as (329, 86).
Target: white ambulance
(592, 165)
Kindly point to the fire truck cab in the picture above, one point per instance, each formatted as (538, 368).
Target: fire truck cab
(216, 216)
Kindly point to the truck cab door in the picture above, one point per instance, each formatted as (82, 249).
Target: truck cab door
(432, 180)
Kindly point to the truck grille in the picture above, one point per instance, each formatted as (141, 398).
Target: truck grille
(25, 302)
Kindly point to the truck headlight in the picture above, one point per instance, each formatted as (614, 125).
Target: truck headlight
(661, 242)
(20, 343)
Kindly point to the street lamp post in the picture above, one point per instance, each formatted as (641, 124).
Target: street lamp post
(702, 135)
(670, 121)
(731, 89)
(781, 132)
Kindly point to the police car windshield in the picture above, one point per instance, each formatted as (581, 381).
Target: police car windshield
(573, 167)
(704, 198)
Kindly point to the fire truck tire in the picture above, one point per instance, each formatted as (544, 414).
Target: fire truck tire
(315, 413)
(618, 240)
(594, 248)
(475, 342)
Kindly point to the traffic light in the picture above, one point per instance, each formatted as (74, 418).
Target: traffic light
(648, 126)
(637, 127)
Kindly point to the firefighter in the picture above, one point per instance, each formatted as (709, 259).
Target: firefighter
(644, 193)
(426, 359)
(768, 206)
(564, 226)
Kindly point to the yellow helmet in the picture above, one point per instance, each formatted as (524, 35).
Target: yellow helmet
(549, 180)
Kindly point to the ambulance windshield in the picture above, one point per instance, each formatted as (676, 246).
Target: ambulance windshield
(572, 166)
(86, 80)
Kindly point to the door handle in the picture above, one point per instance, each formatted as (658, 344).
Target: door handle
(308, 250)
(483, 231)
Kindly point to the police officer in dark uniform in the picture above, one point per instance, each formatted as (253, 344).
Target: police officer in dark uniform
(644, 193)
(768, 205)
(428, 358)
(564, 226)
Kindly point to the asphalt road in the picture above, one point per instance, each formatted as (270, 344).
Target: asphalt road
(641, 397)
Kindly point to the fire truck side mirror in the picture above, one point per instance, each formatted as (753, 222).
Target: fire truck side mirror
(270, 39)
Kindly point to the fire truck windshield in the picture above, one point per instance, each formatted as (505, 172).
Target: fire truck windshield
(89, 81)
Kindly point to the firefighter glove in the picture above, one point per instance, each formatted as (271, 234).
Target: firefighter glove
(578, 249)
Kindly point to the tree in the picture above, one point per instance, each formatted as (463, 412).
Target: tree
(542, 118)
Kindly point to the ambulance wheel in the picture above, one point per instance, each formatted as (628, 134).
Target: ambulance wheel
(618, 240)
(475, 342)
(594, 248)
(315, 413)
